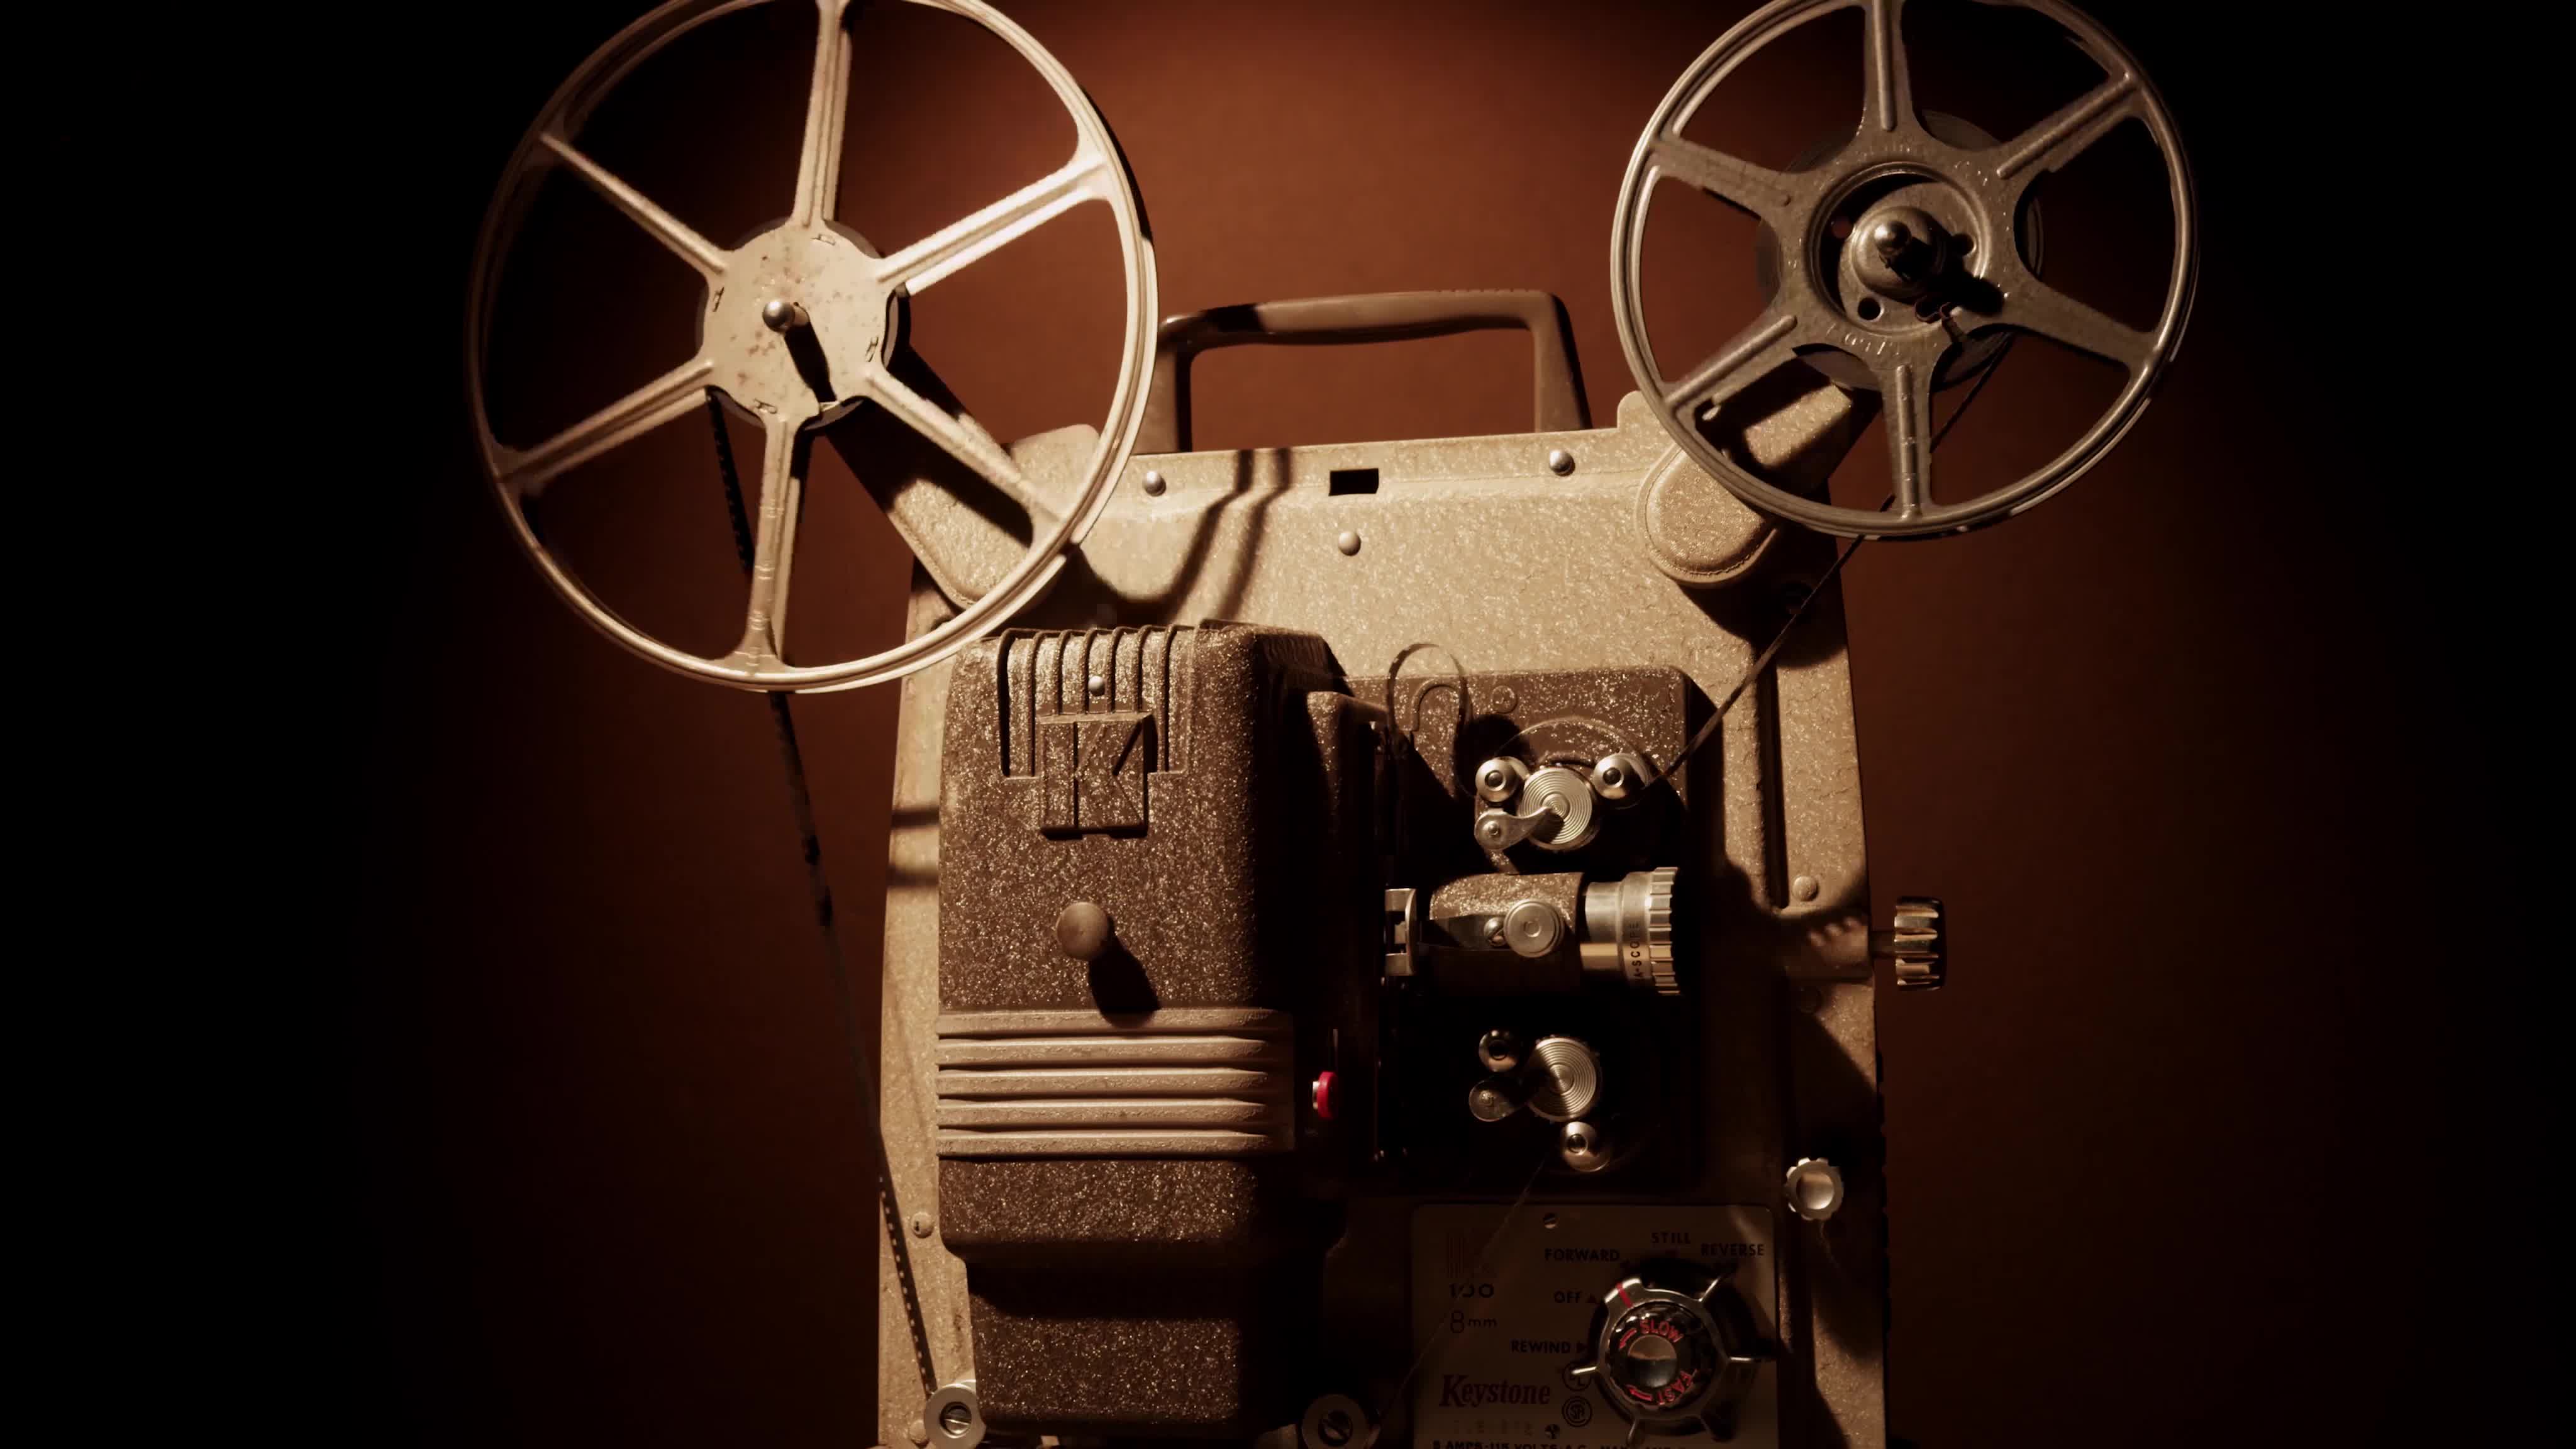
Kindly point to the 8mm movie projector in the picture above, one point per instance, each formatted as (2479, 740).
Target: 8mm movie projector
(1399, 966)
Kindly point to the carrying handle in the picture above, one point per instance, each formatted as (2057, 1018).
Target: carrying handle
(1557, 389)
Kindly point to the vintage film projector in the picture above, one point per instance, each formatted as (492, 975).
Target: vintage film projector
(1400, 964)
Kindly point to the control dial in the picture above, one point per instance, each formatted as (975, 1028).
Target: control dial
(1672, 1359)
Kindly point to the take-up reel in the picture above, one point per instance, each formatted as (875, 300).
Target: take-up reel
(800, 324)
(1897, 250)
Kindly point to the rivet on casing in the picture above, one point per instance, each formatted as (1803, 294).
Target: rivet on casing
(1559, 462)
(1153, 483)
(1806, 887)
(1349, 542)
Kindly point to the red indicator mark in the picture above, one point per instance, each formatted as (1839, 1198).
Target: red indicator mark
(1623, 1295)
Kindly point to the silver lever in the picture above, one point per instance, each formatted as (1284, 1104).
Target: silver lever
(1501, 829)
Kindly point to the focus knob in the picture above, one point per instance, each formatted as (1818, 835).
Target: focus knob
(1669, 1360)
(1628, 930)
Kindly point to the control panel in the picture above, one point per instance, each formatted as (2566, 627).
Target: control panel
(1591, 1325)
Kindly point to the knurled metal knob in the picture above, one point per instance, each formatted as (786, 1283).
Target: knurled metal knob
(1673, 1358)
(1917, 942)
(1814, 1188)
(1628, 930)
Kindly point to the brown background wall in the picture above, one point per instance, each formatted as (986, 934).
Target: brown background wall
(2171, 1161)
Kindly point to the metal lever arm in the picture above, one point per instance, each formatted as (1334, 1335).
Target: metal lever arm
(1501, 829)
(1557, 387)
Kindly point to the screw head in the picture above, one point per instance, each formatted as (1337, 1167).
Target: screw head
(955, 1418)
(1334, 1422)
(921, 1225)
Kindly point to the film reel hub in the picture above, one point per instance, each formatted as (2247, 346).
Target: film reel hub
(1905, 251)
(801, 321)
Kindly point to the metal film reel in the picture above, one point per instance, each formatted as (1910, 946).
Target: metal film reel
(1924, 263)
(808, 301)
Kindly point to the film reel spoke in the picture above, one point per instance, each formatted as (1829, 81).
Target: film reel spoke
(667, 229)
(2061, 138)
(964, 441)
(1739, 183)
(827, 111)
(1891, 86)
(971, 239)
(1905, 395)
(1754, 352)
(525, 472)
(2031, 305)
(784, 454)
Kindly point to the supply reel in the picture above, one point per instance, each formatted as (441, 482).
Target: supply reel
(799, 326)
(1898, 251)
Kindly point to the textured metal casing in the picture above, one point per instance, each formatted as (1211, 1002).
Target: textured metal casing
(1774, 796)
(1115, 1133)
